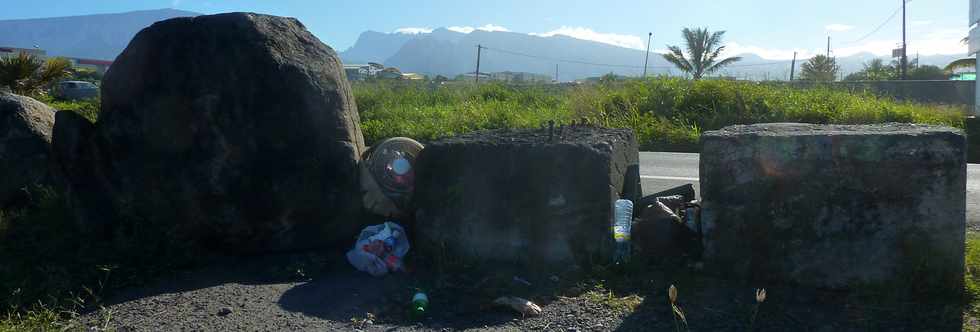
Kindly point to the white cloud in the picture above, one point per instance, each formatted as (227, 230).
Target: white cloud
(413, 31)
(837, 27)
(461, 29)
(485, 27)
(491, 27)
(628, 41)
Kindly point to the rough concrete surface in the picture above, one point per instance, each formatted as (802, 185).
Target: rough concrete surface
(512, 196)
(836, 206)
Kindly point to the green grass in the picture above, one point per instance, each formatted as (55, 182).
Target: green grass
(972, 280)
(617, 303)
(667, 114)
(53, 267)
(88, 108)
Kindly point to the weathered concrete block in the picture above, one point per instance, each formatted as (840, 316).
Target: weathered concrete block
(512, 197)
(836, 206)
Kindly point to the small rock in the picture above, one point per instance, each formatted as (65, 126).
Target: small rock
(224, 311)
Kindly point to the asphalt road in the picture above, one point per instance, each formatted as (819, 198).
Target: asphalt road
(664, 170)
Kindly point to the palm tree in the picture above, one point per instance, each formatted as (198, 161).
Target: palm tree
(820, 68)
(703, 49)
(27, 74)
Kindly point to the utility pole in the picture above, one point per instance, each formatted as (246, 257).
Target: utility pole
(478, 49)
(645, 61)
(828, 46)
(556, 73)
(792, 68)
(905, 60)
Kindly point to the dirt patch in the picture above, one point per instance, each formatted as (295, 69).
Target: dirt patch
(320, 292)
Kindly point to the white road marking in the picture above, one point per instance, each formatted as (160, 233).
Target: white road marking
(668, 178)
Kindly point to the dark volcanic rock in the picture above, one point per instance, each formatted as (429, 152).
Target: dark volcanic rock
(512, 197)
(25, 143)
(836, 206)
(236, 131)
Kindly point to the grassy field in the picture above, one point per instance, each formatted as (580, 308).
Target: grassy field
(666, 114)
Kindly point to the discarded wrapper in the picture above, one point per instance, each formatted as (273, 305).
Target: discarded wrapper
(523, 306)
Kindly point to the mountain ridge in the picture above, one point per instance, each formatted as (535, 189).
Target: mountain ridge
(96, 36)
(435, 54)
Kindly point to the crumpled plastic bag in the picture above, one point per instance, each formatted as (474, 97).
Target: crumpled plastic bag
(379, 249)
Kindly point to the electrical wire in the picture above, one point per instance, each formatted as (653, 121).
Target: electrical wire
(882, 25)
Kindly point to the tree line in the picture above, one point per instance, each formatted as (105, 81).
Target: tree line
(704, 48)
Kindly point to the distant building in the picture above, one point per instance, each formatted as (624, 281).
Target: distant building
(470, 76)
(390, 73)
(99, 66)
(412, 76)
(964, 76)
(359, 72)
(355, 72)
(14, 51)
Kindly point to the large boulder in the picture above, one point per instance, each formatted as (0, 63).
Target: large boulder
(836, 206)
(236, 131)
(25, 143)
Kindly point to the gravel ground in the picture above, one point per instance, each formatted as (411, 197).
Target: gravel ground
(319, 292)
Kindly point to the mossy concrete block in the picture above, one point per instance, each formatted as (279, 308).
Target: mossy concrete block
(513, 197)
(836, 206)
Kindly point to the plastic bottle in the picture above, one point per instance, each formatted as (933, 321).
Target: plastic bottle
(420, 303)
(621, 229)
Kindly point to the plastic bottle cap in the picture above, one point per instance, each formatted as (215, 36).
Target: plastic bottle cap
(401, 166)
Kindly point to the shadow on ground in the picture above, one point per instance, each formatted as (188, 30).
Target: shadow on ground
(308, 291)
(712, 304)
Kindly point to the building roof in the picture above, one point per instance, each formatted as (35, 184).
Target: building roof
(93, 62)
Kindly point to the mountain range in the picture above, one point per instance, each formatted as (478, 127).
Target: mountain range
(100, 36)
(448, 53)
(439, 52)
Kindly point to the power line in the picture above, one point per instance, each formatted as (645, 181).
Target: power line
(882, 25)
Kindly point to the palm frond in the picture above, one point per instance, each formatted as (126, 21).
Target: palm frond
(676, 57)
(715, 39)
(722, 63)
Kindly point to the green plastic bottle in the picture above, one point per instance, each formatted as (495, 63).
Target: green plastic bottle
(420, 303)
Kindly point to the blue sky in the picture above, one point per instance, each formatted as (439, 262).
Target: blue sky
(771, 28)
